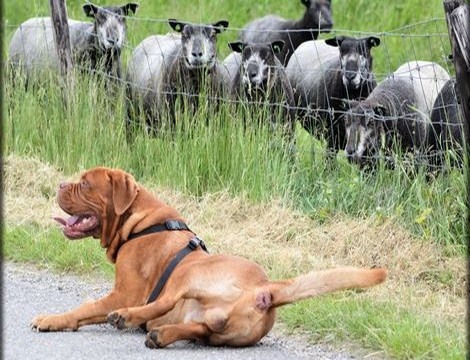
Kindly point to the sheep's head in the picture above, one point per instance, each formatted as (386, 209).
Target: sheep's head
(110, 23)
(364, 130)
(356, 59)
(257, 64)
(319, 14)
(199, 42)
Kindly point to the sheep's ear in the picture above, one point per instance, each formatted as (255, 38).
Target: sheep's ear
(305, 2)
(176, 25)
(130, 6)
(373, 41)
(277, 46)
(90, 10)
(236, 46)
(336, 41)
(220, 26)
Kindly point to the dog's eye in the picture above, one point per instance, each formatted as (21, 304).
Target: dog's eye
(84, 184)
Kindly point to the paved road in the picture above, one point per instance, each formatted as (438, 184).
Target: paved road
(29, 292)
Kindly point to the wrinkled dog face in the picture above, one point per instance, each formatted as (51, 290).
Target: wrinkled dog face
(356, 58)
(100, 195)
(319, 13)
(199, 42)
(363, 131)
(258, 63)
(110, 23)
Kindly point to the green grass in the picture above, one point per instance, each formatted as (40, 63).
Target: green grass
(48, 246)
(397, 331)
(222, 156)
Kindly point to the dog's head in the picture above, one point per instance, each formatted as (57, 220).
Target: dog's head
(96, 203)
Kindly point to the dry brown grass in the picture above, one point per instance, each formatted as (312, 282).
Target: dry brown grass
(284, 241)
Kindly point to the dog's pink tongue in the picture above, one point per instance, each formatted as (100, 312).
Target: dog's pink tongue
(69, 222)
(72, 220)
(60, 220)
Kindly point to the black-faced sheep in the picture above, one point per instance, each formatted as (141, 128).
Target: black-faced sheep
(396, 113)
(164, 68)
(447, 132)
(324, 72)
(317, 18)
(95, 46)
(258, 78)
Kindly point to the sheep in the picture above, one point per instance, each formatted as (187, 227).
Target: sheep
(447, 126)
(317, 18)
(256, 75)
(395, 113)
(94, 45)
(322, 73)
(164, 68)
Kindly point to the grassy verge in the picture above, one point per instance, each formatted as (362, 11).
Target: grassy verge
(47, 247)
(395, 330)
(210, 156)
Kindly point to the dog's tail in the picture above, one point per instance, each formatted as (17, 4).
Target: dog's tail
(320, 282)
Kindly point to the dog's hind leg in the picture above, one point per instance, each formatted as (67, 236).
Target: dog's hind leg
(167, 334)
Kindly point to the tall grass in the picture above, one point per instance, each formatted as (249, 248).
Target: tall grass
(216, 152)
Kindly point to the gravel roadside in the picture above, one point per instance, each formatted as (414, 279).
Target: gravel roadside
(28, 291)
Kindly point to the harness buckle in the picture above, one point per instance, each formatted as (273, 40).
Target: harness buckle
(194, 243)
(175, 225)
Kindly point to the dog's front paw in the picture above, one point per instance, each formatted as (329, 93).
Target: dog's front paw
(117, 319)
(152, 340)
(53, 323)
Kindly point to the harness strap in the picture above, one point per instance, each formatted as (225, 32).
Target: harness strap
(167, 225)
(193, 244)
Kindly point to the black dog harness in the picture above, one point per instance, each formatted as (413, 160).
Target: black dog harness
(193, 244)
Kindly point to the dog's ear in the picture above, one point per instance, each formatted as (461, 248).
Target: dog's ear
(125, 191)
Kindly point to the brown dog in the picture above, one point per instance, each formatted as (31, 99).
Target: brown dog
(217, 299)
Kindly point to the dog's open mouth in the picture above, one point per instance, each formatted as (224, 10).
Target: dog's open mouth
(79, 226)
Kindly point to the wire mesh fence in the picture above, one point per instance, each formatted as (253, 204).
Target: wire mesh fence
(422, 41)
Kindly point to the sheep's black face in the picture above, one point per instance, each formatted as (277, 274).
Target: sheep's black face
(319, 13)
(258, 64)
(364, 126)
(356, 59)
(110, 23)
(199, 43)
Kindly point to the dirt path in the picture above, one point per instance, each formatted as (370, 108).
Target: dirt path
(29, 292)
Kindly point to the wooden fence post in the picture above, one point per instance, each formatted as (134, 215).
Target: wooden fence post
(61, 35)
(458, 24)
